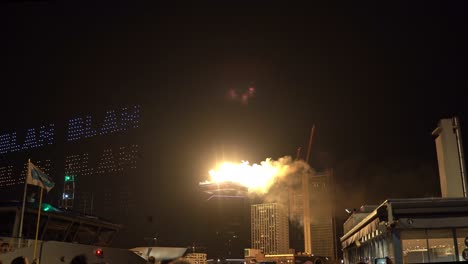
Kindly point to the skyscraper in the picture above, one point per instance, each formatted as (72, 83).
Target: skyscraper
(228, 208)
(322, 222)
(269, 228)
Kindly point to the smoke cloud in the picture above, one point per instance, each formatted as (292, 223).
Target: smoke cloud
(271, 181)
(261, 178)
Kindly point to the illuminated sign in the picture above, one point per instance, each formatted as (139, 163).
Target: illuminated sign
(106, 159)
(78, 128)
(114, 121)
(35, 138)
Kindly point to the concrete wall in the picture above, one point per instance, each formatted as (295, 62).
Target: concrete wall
(448, 159)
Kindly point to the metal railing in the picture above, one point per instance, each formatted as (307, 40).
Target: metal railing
(9, 244)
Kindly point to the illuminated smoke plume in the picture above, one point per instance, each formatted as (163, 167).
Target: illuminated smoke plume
(262, 178)
(274, 181)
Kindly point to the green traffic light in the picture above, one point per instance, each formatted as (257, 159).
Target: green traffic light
(46, 207)
(68, 178)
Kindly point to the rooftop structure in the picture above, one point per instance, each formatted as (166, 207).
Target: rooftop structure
(252, 256)
(64, 234)
(421, 230)
(452, 171)
(56, 225)
(224, 189)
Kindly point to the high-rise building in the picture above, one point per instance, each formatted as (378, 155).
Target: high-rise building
(322, 221)
(295, 214)
(269, 228)
(228, 210)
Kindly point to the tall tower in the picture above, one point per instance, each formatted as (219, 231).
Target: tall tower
(452, 175)
(269, 228)
(228, 207)
(322, 231)
(322, 227)
(296, 216)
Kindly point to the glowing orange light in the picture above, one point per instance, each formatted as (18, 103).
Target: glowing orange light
(256, 177)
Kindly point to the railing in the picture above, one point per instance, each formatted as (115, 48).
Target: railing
(9, 244)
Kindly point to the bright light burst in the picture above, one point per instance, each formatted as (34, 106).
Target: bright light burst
(256, 177)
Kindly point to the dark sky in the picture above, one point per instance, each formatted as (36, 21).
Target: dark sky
(374, 79)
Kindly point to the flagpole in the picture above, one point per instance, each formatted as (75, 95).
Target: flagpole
(24, 203)
(37, 226)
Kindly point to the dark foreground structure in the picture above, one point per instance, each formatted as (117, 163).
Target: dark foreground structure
(425, 230)
(56, 224)
(63, 235)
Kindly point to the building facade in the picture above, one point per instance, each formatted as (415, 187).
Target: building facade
(322, 220)
(420, 230)
(228, 209)
(269, 228)
(452, 171)
(195, 258)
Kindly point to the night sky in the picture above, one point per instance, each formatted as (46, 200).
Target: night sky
(374, 80)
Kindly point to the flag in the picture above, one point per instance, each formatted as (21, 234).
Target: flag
(37, 177)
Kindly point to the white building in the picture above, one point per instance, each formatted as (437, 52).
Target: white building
(269, 228)
(453, 181)
(417, 230)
